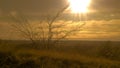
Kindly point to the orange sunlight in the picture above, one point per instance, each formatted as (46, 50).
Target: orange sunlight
(79, 6)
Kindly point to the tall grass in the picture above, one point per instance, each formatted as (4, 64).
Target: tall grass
(19, 56)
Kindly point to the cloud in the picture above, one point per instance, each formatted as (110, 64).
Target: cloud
(34, 6)
(30, 5)
(105, 5)
(102, 29)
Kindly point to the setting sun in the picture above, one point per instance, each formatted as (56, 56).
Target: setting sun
(79, 6)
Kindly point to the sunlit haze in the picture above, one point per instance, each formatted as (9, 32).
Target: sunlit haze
(102, 17)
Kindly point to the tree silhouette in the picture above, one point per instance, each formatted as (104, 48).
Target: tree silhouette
(49, 32)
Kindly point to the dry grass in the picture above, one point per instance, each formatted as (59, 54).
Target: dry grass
(53, 57)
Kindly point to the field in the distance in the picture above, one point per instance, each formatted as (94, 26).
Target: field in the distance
(67, 54)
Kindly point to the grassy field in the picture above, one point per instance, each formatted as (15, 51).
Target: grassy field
(68, 54)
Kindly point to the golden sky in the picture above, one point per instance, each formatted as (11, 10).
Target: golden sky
(92, 30)
(102, 22)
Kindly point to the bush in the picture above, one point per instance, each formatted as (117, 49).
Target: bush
(109, 51)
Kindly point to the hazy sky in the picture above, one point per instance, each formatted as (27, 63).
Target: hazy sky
(105, 21)
(46, 5)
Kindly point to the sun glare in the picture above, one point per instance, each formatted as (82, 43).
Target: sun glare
(79, 6)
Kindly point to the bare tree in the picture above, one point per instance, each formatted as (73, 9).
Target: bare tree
(23, 26)
(49, 31)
